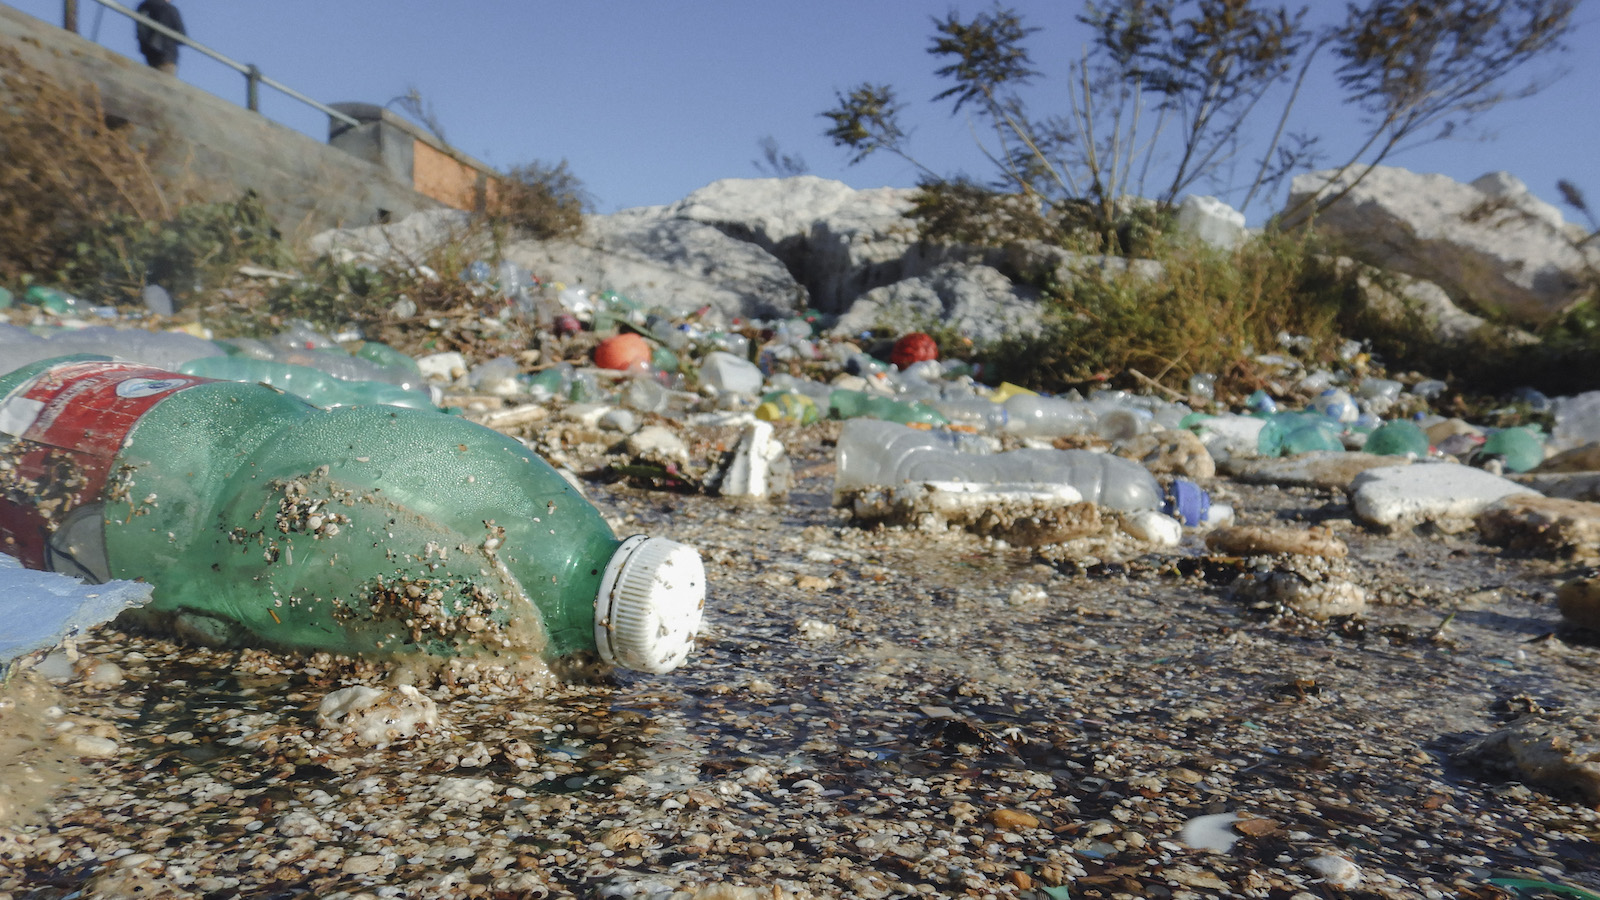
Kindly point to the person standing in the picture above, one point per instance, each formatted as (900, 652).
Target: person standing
(160, 50)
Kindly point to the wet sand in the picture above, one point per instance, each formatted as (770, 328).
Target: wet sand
(870, 713)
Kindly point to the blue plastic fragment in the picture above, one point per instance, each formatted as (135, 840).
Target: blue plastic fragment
(1187, 502)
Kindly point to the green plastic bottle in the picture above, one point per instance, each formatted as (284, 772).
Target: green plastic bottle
(366, 530)
(1399, 437)
(848, 404)
(311, 385)
(1522, 447)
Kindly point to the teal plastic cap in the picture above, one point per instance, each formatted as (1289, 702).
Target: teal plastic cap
(647, 612)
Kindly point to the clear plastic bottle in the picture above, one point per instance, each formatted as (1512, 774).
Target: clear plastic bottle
(162, 349)
(364, 530)
(881, 454)
(1032, 415)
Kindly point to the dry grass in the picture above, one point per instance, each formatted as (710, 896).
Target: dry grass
(63, 170)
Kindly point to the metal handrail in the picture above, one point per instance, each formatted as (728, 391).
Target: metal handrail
(252, 74)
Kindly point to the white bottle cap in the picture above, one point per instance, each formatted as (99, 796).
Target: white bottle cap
(648, 609)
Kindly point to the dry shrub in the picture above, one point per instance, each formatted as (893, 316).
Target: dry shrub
(547, 202)
(63, 169)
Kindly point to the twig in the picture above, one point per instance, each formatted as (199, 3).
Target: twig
(1152, 383)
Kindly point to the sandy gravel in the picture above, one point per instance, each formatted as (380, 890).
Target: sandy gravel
(879, 713)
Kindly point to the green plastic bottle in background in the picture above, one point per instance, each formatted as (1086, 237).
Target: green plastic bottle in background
(368, 530)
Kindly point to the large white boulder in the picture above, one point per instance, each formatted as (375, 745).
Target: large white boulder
(659, 259)
(977, 301)
(1490, 244)
(838, 241)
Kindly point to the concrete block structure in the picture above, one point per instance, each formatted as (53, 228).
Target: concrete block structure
(433, 168)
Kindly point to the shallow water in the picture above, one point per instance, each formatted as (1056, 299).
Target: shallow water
(951, 734)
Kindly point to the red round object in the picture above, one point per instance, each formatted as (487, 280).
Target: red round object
(913, 348)
(622, 352)
(566, 324)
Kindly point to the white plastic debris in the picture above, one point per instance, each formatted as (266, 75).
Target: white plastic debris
(759, 467)
(442, 366)
(1154, 528)
(40, 610)
(1214, 832)
(1446, 495)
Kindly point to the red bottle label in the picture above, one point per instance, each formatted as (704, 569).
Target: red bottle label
(59, 436)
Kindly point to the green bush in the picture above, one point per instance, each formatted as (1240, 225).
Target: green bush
(112, 261)
(1210, 311)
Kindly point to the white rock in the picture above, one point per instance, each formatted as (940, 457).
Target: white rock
(1401, 300)
(377, 717)
(977, 300)
(81, 743)
(1210, 832)
(843, 242)
(1212, 221)
(464, 790)
(1337, 871)
(413, 237)
(1498, 251)
(1027, 595)
(624, 421)
(818, 630)
(676, 263)
(1446, 495)
(658, 442)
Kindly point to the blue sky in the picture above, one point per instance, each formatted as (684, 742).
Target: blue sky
(648, 101)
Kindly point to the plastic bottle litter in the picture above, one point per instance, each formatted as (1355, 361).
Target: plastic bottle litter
(1290, 434)
(882, 454)
(314, 386)
(363, 530)
(156, 299)
(1576, 421)
(974, 413)
(1429, 389)
(1336, 405)
(1031, 415)
(1397, 438)
(162, 349)
(1187, 502)
(498, 376)
(1521, 448)
(730, 374)
(848, 404)
(787, 406)
(59, 303)
(43, 609)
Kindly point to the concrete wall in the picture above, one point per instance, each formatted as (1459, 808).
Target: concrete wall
(213, 147)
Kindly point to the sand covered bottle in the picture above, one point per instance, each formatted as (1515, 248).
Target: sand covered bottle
(369, 530)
